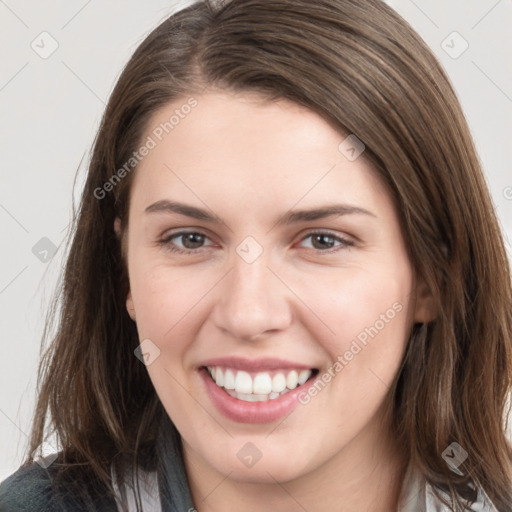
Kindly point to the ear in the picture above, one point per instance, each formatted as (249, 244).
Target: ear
(425, 309)
(129, 301)
(117, 227)
(129, 306)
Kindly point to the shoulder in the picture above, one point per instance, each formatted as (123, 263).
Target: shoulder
(417, 495)
(31, 488)
(482, 504)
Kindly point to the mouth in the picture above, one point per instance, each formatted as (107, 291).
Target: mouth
(261, 386)
(261, 390)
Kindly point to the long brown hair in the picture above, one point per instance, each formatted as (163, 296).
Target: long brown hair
(361, 66)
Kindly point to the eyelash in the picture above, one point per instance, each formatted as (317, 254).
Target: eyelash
(166, 242)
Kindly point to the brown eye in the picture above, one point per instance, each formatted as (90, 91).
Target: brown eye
(190, 241)
(322, 241)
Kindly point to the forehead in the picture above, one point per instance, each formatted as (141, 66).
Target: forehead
(232, 144)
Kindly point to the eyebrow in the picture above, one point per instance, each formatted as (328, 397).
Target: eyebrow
(290, 217)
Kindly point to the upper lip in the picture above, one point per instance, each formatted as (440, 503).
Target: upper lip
(241, 363)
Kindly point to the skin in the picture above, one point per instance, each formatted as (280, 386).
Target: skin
(248, 161)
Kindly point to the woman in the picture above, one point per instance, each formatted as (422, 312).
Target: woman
(287, 288)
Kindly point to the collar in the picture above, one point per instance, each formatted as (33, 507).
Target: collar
(417, 495)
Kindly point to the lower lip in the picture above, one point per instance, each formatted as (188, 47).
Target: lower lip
(252, 412)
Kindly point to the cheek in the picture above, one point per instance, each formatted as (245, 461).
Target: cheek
(165, 297)
(368, 313)
(170, 312)
(364, 315)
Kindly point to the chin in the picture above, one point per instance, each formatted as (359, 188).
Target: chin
(266, 470)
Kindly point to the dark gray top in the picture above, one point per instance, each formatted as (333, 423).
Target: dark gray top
(31, 489)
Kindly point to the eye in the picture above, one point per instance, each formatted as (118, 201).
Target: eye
(190, 240)
(321, 241)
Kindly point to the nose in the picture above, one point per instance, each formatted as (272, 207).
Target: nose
(252, 301)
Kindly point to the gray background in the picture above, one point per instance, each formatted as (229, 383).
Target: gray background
(51, 104)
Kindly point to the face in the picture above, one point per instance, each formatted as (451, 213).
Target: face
(272, 327)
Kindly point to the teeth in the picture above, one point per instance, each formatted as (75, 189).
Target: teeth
(303, 376)
(218, 377)
(248, 397)
(262, 384)
(292, 380)
(260, 387)
(229, 379)
(278, 383)
(251, 397)
(243, 382)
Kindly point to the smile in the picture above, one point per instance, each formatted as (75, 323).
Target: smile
(260, 386)
(260, 390)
